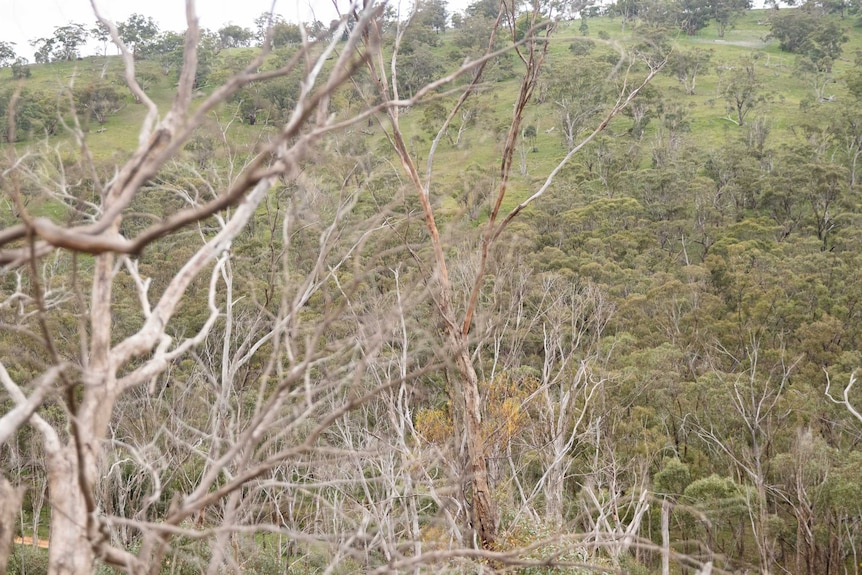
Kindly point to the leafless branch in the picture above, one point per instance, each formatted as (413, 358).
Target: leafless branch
(845, 398)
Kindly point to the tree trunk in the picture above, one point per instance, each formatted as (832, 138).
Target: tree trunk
(554, 486)
(70, 552)
(483, 509)
(665, 537)
(71, 542)
(10, 502)
(71, 547)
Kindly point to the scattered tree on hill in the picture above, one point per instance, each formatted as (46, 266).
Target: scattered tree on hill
(7, 53)
(285, 34)
(139, 33)
(727, 12)
(43, 50)
(845, 132)
(642, 110)
(101, 33)
(827, 186)
(20, 68)
(801, 32)
(628, 10)
(487, 9)
(168, 49)
(793, 29)
(580, 91)
(664, 15)
(818, 78)
(742, 89)
(68, 40)
(417, 69)
(687, 64)
(692, 15)
(433, 13)
(827, 45)
(853, 77)
(263, 23)
(34, 114)
(64, 45)
(474, 33)
(235, 36)
(98, 100)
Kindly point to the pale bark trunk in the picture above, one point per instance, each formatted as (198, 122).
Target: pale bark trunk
(763, 544)
(70, 552)
(10, 503)
(665, 537)
(557, 416)
(554, 487)
(800, 547)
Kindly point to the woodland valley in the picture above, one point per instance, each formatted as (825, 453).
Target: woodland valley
(537, 287)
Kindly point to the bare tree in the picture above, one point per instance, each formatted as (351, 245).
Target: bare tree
(261, 380)
(231, 418)
(567, 397)
(614, 493)
(573, 319)
(756, 398)
(845, 396)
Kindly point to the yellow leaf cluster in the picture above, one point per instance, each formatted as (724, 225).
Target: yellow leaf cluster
(435, 425)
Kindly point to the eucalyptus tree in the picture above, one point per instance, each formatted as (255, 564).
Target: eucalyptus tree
(846, 135)
(580, 90)
(757, 396)
(456, 320)
(434, 14)
(571, 381)
(139, 33)
(743, 90)
(727, 12)
(7, 53)
(63, 45)
(802, 32)
(692, 15)
(235, 36)
(686, 65)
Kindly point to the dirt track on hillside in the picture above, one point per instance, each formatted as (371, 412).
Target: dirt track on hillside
(43, 543)
(756, 44)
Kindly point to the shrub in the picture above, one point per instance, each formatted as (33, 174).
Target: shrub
(28, 560)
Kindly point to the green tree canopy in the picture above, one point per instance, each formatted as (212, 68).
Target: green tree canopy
(64, 45)
(7, 53)
(139, 33)
(234, 36)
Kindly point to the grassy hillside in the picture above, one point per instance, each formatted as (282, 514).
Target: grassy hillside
(706, 108)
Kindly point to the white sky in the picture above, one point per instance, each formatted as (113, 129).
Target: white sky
(24, 20)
